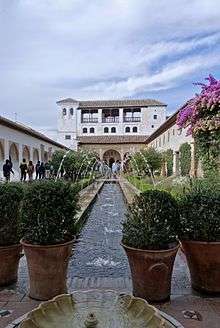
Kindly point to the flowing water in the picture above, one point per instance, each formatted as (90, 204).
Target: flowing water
(98, 252)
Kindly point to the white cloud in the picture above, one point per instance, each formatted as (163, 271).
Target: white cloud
(101, 48)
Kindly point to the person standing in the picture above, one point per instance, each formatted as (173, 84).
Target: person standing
(23, 169)
(37, 169)
(7, 170)
(42, 171)
(114, 169)
(30, 170)
(47, 170)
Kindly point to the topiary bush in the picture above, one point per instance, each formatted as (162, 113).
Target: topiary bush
(200, 211)
(10, 198)
(185, 158)
(152, 221)
(48, 212)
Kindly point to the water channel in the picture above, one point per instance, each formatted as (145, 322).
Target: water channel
(98, 252)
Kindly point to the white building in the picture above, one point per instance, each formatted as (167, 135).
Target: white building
(19, 141)
(112, 118)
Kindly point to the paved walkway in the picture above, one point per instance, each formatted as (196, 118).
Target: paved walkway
(99, 262)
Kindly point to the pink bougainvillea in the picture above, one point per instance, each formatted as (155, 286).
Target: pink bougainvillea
(202, 113)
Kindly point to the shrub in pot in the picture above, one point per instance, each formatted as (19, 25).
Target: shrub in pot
(48, 221)
(200, 234)
(149, 240)
(10, 247)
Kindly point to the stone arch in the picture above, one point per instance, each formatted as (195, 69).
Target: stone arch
(26, 153)
(2, 155)
(14, 155)
(110, 156)
(35, 156)
(45, 157)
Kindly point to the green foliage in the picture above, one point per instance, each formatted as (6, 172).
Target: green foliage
(167, 157)
(139, 183)
(200, 211)
(48, 212)
(185, 158)
(10, 198)
(152, 221)
(208, 146)
(145, 160)
(75, 164)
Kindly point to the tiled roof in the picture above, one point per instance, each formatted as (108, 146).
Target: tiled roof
(111, 139)
(114, 103)
(29, 131)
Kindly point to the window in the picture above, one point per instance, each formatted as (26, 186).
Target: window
(173, 132)
(64, 111)
(127, 129)
(152, 126)
(135, 129)
(84, 130)
(113, 130)
(160, 142)
(155, 116)
(71, 111)
(67, 137)
(92, 130)
(168, 136)
(164, 139)
(105, 130)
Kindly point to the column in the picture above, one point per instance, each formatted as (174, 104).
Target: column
(20, 153)
(121, 111)
(6, 149)
(193, 160)
(176, 166)
(100, 115)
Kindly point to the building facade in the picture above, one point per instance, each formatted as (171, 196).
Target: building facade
(169, 136)
(18, 141)
(107, 126)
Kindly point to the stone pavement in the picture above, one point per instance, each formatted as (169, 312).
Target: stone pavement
(182, 298)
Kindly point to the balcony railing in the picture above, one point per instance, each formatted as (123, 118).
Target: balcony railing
(89, 120)
(132, 119)
(110, 119)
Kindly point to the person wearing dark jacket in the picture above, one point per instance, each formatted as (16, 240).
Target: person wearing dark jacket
(37, 169)
(23, 169)
(42, 171)
(7, 170)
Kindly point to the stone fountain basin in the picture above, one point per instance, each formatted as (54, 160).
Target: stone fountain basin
(97, 309)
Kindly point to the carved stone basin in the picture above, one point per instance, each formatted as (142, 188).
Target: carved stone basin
(96, 309)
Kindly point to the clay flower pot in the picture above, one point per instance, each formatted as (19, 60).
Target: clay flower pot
(9, 259)
(151, 272)
(203, 259)
(47, 268)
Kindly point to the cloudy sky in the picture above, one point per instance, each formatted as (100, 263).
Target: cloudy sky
(103, 49)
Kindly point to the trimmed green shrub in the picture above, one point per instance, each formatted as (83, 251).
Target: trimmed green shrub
(152, 221)
(10, 198)
(185, 158)
(48, 212)
(200, 211)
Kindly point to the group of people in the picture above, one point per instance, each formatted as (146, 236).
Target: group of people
(27, 169)
(110, 171)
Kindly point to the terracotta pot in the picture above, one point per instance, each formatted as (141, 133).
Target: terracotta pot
(9, 259)
(47, 268)
(151, 272)
(203, 259)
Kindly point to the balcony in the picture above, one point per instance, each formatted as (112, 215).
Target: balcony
(132, 119)
(89, 120)
(110, 119)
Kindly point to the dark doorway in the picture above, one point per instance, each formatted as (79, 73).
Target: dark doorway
(111, 161)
